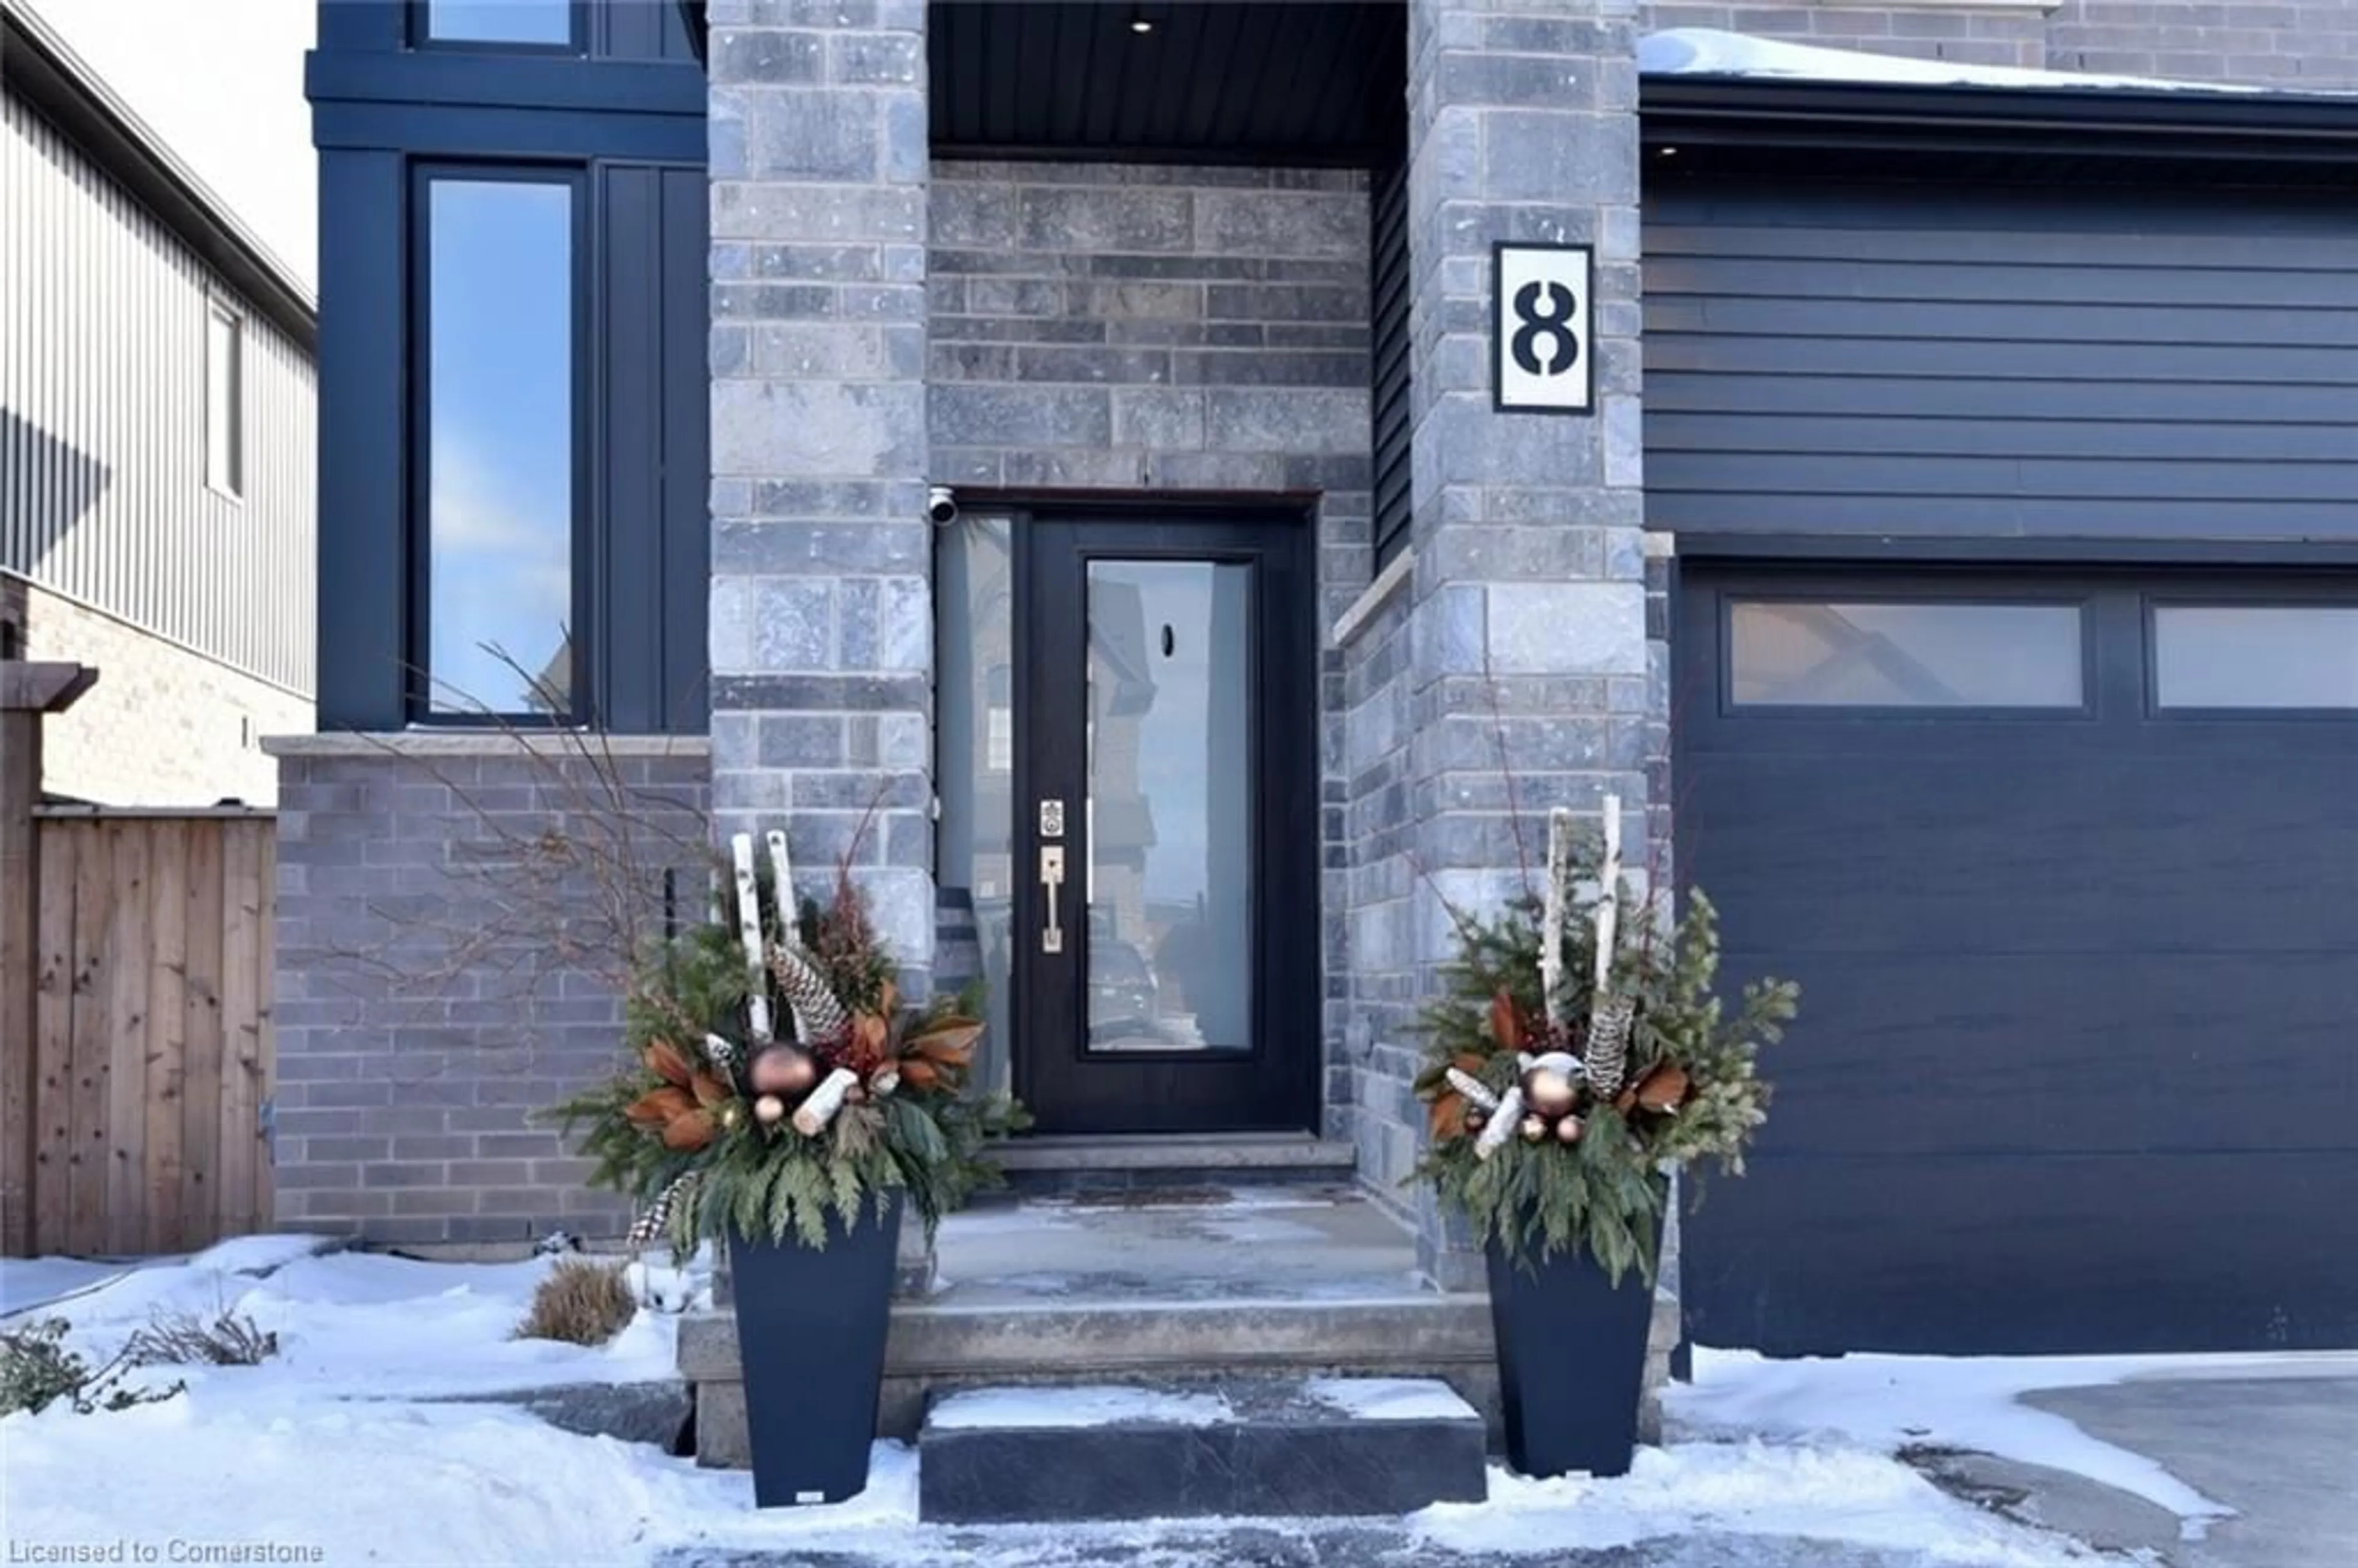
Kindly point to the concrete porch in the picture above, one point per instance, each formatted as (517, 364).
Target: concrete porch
(1158, 1286)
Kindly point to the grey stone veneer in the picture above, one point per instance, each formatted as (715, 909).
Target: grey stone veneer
(821, 619)
(1096, 326)
(408, 1078)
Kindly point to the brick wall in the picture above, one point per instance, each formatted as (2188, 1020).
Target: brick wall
(2277, 43)
(414, 1049)
(164, 726)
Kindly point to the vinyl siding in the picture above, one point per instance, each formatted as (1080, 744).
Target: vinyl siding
(1931, 360)
(103, 493)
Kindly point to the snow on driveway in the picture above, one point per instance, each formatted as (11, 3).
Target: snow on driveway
(329, 1447)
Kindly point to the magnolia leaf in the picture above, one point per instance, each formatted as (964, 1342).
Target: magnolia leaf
(950, 1042)
(657, 1106)
(686, 1134)
(1504, 1027)
(710, 1091)
(666, 1062)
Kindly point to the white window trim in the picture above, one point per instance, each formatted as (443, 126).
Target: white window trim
(233, 488)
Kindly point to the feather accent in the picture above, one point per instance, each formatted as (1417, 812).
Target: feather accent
(656, 1218)
(818, 1016)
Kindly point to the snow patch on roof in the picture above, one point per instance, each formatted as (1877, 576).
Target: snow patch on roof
(1706, 51)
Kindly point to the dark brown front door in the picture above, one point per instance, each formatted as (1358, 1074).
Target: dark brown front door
(1166, 930)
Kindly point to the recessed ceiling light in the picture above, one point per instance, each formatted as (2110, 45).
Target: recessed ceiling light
(1141, 25)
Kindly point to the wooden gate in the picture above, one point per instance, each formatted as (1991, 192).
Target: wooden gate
(151, 1062)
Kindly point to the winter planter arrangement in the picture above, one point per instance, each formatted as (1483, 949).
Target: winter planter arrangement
(1576, 1060)
(782, 1099)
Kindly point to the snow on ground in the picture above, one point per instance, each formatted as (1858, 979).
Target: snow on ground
(1746, 1489)
(1087, 1405)
(1706, 51)
(1888, 1402)
(1390, 1398)
(333, 1443)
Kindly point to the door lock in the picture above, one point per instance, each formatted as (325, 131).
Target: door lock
(1051, 877)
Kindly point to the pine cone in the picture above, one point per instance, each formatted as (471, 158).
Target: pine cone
(819, 1017)
(1606, 1053)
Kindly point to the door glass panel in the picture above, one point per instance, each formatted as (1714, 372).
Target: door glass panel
(974, 751)
(1168, 877)
(2256, 655)
(1905, 655)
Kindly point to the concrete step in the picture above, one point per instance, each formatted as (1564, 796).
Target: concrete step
(1114, 1163)
(1321, 1447)
(935, 1350)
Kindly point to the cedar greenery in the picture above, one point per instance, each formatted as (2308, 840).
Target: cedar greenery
(1607, 1190)
(924, 1137)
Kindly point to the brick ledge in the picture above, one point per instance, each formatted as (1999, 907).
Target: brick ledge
(483, 743)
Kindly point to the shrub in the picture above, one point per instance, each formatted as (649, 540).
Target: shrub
(37, 1370)
(579, 1301)
(183, 1339)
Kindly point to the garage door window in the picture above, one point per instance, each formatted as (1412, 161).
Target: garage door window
(2256, 655)
(1911, 653)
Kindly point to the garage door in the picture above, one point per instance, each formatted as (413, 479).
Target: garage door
(2067, 868)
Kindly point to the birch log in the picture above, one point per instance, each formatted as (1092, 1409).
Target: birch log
(812, 1116)
(1501, 1126)
(1609, 892)
(1559, 878)
(749, 926)
(782, 882)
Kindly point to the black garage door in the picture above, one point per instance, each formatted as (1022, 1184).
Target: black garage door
(2067, 868)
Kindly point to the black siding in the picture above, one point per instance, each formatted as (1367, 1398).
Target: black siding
(1389, 295)
(630, 111)
(1920, 360)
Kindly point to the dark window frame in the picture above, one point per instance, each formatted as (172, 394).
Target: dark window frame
(417, 33)
(585, 559)
(1826, 593)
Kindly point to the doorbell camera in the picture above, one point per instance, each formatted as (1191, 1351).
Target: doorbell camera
(941, 505)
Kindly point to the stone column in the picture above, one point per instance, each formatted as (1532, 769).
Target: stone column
(822, 620)
(1530, 685)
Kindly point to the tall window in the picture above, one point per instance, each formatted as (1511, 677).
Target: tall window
(500, 426)
(532, 24)
(224, 403)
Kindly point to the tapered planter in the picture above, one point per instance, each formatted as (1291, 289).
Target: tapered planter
(810, 1331)
(1572, 1361)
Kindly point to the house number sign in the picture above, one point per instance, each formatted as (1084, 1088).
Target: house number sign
(1544, 353)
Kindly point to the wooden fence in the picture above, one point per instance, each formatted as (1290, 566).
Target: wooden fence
(151, 1064)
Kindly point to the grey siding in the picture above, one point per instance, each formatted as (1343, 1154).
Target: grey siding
(102, 493)
(2005, 362)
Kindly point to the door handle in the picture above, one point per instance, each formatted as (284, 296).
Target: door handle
(1051, 877)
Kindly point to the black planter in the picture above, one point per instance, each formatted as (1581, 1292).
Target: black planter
(1572, 1361)
(810, 1331)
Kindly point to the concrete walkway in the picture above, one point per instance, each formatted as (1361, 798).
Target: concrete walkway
(2280, 1449)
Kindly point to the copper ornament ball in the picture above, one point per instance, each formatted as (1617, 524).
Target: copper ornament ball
(1549, 1092)
(781, 1070)
(769, 1110)
(1568, 1130)
(1534, 1129)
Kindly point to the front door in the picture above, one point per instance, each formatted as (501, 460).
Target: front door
(1166, 938)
